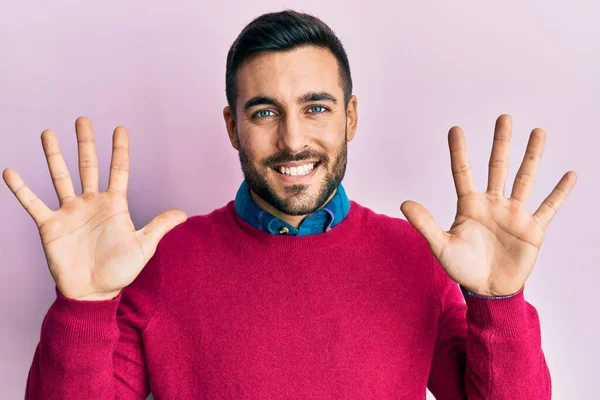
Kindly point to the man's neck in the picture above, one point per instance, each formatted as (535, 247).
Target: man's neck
(293, 220)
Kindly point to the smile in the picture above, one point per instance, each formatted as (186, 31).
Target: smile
(298, 170)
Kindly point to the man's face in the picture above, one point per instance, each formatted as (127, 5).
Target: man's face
(292, 128)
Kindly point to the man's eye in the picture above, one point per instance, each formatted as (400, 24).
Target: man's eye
(318, 109)
(263, 113)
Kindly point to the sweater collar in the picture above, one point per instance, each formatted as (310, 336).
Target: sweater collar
(321, 221)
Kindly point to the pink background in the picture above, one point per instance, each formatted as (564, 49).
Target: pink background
(158, 68)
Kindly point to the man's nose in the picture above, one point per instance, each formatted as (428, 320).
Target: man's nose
(292, 138)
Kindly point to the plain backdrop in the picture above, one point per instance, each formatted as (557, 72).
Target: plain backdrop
(158, 68)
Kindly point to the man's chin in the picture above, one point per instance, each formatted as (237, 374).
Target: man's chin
(290, 201)
(296, 209)
(299, 198)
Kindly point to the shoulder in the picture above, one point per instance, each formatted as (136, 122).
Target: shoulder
(388, 226)
(393, 235)
(395, 241)
(196, 229)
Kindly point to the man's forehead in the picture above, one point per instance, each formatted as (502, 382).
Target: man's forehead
(289, 74)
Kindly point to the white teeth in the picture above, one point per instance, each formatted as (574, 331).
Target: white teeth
(297, 171)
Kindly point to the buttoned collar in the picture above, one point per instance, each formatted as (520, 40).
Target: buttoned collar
(321, 221)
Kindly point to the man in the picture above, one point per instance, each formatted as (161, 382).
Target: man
(290, 291)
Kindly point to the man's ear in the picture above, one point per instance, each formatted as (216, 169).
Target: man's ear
(230, 124)
(352, 117)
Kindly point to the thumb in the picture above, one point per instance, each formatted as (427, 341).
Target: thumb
(422, 220)
(158, 227)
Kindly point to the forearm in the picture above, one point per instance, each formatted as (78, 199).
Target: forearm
(74, 358)
(504, 354)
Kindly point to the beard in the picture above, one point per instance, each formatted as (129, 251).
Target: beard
(299, 200)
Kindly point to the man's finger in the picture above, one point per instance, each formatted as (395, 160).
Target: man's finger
(32, 204)
(61, 178)
(158, 227)
(461, 167)
(88, 159)
(550, 206)
(529, 167)
(422, 220)
(498, 164)
(119, 163)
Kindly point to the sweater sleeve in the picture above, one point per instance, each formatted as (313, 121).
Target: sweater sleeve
(94, 349)
(486, 348)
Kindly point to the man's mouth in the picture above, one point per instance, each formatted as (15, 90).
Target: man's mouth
(297, 169)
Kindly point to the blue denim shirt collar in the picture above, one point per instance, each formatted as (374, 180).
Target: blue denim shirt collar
(319, 222)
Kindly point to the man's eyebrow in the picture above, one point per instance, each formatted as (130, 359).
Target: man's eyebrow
(259, 100)
(317, 96)
(305, 98)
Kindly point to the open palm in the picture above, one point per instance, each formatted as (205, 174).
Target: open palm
(493, 243)
(91, 245)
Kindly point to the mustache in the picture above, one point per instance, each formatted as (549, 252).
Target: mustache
(304, 155)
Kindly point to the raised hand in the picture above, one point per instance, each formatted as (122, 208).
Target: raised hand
(493, 243)
(92, 247)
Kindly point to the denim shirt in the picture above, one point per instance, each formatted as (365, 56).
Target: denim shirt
(319, 222)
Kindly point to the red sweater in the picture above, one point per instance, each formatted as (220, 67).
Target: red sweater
(226, 311)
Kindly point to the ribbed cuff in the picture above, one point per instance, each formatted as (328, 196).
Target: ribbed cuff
(481, 296)
(82, 321)
(506, 315)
